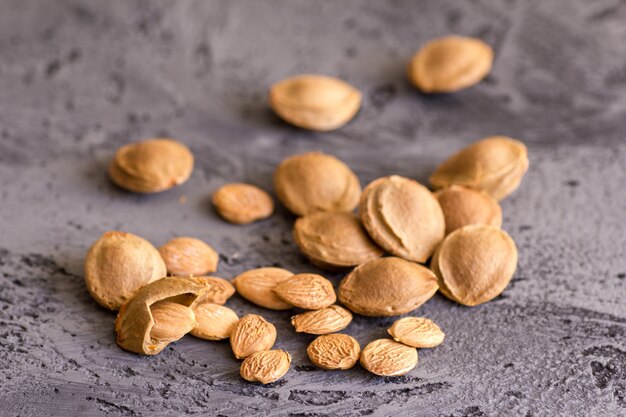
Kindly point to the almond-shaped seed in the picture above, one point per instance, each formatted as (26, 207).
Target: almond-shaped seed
(151, 165)
(403, 217)
(218, 292)
(189, 256)
(450, 63)
(214, 321)
(463, 206)
(495, 165)
(307, 291)
(257, 286)
(242, 203)
(326, 320)
(334, 351)
(385, 357)
(315, 181)
(334, 240)
(475, 264)
(387, 287)
(418, 332)
(315, 102)
(171, 320)
(252, 333)
(266, 366)
(118, 265)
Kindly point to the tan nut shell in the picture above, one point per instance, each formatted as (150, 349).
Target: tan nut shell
(434, 266)
(463, 206)
(314, 181)
(252, 333)
(495, 165)
(151, 165)
(387, 287)
(334, 240)
(315, 102)
(189, 256)
(449, 64)
(417, 332)
(214, 321)
(171, 320)
(474, 264)
(385, 357)
(403, 217)
(134, 321)
(117, 265)
(334, 351)
(242, 203)
(265, 367)
(326, 320)
(257, 286)
(307, 291)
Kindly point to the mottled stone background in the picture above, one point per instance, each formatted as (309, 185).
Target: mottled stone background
(80, 78)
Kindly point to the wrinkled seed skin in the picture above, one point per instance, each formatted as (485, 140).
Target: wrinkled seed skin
(257, 286)
(218, 290)
(334, 351)
(307, 291)
(417, 332)
(189, 256)
(214, 321)
(385, 357)
(251, 334)
(171, 320)
(241, 203)
(265, 366)
(326, 320)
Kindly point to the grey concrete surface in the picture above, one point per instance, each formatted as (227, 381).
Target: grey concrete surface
(80, 78)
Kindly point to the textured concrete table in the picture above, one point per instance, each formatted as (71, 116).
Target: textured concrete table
(80, 78)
